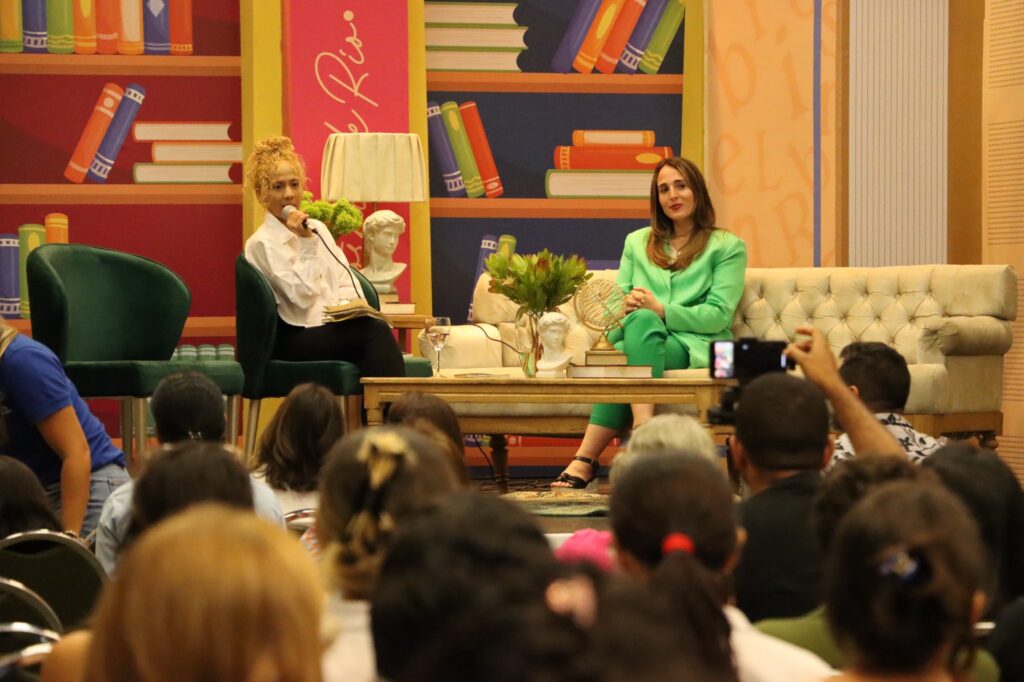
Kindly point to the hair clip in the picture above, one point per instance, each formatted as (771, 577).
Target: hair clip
(677, 542)
(902, 565)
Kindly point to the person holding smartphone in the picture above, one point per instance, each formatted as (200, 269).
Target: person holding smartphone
(683, 279)
(308, 272)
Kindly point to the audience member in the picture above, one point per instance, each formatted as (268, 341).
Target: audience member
(47, 426)
(661, 433)
(435, 418)
(23, 502)
(780, 447)
(446, 571)
(902, 585)
(640, 636)
(183, 475)
(1006, 643)
(211, 594)
(878, 374)
(841, 489)
(293, 447)
(373, 481)
(187, 406)
(992, 493)
(674, 523)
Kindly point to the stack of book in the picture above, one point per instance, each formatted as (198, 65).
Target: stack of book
(129, 27)
(609, 364)
(187, 152)
(473, 36)
(390, 305)
(460, 148)
(621, 36)
(613, 164)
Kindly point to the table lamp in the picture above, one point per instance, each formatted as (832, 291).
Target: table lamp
(374, 168)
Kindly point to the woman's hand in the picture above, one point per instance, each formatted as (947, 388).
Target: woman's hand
(294, 223)
(642, 298)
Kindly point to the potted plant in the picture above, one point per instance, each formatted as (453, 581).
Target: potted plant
(538, 283)
(340, 217)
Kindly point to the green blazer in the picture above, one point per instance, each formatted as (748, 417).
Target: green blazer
(700, 301)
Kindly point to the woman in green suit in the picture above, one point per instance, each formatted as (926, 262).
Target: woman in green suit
(683, 278)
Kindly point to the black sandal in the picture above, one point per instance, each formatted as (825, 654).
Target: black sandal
(578, 482)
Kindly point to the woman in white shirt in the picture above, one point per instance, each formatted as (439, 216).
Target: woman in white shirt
(308, 272)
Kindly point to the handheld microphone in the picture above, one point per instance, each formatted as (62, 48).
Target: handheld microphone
(289, 209)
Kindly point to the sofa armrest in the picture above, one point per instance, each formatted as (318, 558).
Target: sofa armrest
(977, 335)
(468, 346)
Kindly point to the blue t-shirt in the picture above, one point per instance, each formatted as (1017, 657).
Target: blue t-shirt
(33, 386)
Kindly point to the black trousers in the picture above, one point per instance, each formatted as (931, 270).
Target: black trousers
(366, 342)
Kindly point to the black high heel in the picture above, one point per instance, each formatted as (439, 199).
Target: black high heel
(578, 482)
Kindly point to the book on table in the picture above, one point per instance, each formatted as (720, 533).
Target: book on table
(609, 372)
(605, 358)
(398, 308)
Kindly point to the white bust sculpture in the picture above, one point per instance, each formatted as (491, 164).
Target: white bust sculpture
(380, 239)
(553, 328)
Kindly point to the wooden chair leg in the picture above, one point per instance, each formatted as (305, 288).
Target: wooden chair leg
(352, 409)
(232, 432)
(250, 429)
(126, 428)
(139, 413)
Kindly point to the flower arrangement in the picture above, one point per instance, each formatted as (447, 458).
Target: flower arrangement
(538, 282)
(341, 217)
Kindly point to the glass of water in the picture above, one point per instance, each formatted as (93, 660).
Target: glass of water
(437, 330)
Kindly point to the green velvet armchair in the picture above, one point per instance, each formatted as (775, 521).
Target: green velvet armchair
(256, 326)
(114, 320)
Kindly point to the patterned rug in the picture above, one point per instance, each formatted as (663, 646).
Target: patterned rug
(561, 503)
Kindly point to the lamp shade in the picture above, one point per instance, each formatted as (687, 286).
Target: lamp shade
(377, 167)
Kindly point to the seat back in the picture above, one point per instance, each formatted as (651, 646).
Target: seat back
(368, 290)
(93, 304)
(19, 603)
(255, 324)
(23, 647)
(59, 569)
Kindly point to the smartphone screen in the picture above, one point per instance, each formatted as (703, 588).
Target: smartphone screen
(723, 360)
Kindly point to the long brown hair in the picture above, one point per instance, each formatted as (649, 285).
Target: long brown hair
(661, 224)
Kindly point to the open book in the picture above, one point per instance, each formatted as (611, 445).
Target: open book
(350, 310)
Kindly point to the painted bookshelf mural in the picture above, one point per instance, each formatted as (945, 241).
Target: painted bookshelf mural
(545, 119)
(123, 118)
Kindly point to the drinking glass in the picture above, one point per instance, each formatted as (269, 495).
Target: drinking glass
(438, 329)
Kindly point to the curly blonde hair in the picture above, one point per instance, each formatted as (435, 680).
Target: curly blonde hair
(261, 166)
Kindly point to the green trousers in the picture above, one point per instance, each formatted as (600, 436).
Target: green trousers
(646, 341)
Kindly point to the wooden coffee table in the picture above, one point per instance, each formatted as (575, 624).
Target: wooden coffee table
(380, 391)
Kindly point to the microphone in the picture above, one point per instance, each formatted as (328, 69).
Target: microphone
(289, 209)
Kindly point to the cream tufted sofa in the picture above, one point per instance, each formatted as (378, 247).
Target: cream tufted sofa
(951, 323)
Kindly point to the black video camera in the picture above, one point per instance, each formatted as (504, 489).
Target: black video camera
(744, 360)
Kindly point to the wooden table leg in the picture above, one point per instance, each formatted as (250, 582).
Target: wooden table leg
(499, 459)
(374, 409)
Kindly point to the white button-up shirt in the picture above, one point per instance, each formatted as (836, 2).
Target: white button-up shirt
(303, 274)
